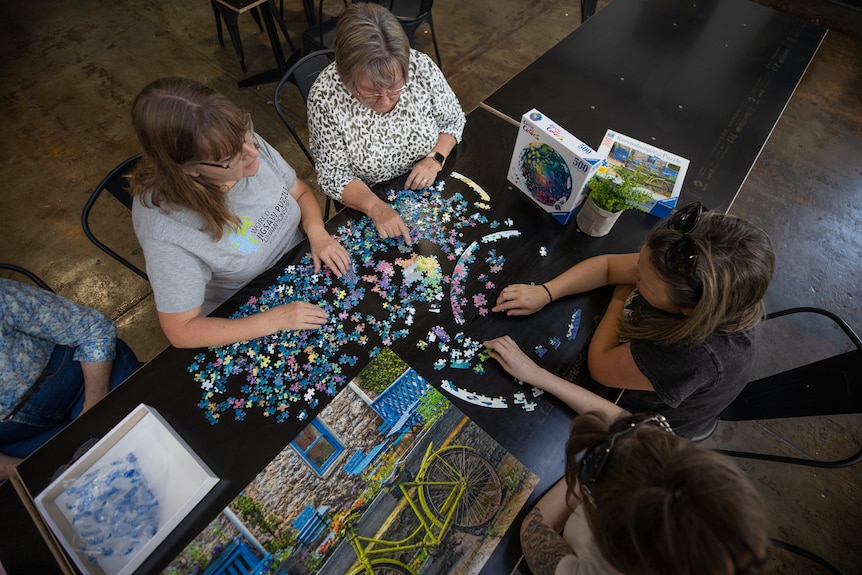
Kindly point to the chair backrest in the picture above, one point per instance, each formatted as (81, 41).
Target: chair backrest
(117, 185)
(303, 74)
(411, 14)
(830, 386)
(30, 275)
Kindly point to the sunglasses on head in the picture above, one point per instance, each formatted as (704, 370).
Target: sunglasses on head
(681, 257)
(593, 459)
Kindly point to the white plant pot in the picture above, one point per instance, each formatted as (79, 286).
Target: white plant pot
(594, 221)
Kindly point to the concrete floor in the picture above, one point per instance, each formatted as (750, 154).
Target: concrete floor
(70, 70)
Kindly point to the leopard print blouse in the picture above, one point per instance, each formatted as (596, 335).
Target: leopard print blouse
(350, 141)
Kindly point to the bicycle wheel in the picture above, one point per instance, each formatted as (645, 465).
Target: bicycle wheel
(384, 567)
(483, 495)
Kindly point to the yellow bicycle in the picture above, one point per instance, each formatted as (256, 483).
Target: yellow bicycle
(454, 487)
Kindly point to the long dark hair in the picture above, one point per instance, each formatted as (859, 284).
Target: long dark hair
(735, 263)
(665, 505)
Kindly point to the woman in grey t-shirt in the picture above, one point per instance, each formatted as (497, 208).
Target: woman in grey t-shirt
(215, 206)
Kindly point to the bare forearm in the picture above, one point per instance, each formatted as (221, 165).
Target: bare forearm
(576, 397)
(359, 196)
(97, 379)
(594, 273)
(445, 144)
(205, 331)
(310, 215)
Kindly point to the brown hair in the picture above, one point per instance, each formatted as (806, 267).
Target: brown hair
(369, 40)
(180, 121)
(735, 263)
(665, 505)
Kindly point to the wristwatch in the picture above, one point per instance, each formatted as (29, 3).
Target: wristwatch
(437, 156)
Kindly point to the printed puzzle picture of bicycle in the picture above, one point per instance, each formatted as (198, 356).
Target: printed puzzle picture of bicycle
(389, 478)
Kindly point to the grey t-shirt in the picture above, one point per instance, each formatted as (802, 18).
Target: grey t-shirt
(188, 269)
(692, 383)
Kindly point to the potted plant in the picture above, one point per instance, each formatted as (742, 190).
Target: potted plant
(608, 197)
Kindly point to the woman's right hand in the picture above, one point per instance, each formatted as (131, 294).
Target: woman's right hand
(389, 224)
(297, 315)
(514, 360)
(521, 299)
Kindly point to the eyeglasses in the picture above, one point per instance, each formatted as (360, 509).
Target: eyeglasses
(681, 256)
(372, 99)
(248, 139)
(593, 459)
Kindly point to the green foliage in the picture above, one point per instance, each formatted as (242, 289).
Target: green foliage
(513, 482)
(380, 373)
(253, 512)
(314, 562)
(619, 192)
(432, 405)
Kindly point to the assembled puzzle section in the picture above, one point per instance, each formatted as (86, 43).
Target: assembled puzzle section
(551, 165)
(662, 172)
(114, 506)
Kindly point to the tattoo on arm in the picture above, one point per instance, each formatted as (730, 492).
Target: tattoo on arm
(543, 547)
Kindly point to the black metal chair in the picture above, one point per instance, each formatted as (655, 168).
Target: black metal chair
(303, 74)
(30, 275)
(321, 35)
(831, 386)
(410, 13)
(116, 184)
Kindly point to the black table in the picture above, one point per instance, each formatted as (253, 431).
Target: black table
(166, 384)
(706, 80)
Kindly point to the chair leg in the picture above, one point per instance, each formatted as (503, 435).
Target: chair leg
(218, 24)
(256, 15)
(230, 20)
(281, 25)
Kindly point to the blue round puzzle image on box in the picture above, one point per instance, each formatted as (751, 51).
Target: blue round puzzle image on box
(546, 174)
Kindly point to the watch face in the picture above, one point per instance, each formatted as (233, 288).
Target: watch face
(439, 157)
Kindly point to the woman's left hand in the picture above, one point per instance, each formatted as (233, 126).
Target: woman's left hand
(423, 174)
(326, 250)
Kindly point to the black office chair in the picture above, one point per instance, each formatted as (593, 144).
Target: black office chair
(25, 272)
(831, 386)
(303, 74)
(116, 184)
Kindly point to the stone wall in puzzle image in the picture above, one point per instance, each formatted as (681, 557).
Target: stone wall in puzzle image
(303, 507)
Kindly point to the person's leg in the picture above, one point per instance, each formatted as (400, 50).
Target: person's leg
(23, 448)
(48, 406)
(125, 364)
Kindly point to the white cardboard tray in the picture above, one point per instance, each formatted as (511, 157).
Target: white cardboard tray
(175, 475)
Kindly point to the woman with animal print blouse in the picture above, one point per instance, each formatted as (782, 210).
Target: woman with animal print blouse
(380, 111)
